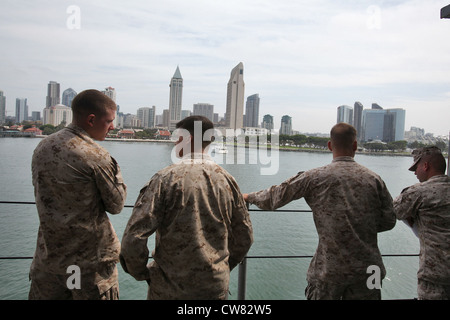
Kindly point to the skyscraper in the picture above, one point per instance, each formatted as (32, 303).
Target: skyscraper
(286, 125)
(267, 122)
(357, 118)
(176, 95)
(345, 114)
(53, 94)
(110, 92)
(68, 96)
(235, 98)
(204, 109)
(252, 111)
(21, 110)
(383, 124)
(2, 108)
(147, 116)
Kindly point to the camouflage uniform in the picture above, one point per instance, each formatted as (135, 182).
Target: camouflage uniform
(350, 205)
(75, 182)
(428, 204)
(202, 226)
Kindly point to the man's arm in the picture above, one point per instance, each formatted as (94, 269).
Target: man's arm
(113, 190)
(241, 235)
(279, 195)
(143, 222)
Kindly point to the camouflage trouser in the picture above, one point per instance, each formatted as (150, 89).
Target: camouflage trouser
(431, 291)
(330, 291)
(48, 286)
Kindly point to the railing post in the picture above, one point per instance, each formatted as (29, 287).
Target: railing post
(242, 279)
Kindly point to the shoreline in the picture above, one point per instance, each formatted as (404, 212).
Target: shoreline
(287, 149)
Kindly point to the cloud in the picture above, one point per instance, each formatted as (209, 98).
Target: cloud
(296, 54)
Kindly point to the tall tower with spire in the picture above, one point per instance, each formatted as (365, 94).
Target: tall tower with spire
(176, 94)
(235, 98)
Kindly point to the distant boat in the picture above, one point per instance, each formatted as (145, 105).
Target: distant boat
(220, 149)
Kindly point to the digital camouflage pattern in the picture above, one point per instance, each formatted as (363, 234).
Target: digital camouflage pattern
(76, 181)
(203, 230)
(428, 204)
(350, 205)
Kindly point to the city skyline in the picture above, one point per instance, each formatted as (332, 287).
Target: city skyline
(303, 58)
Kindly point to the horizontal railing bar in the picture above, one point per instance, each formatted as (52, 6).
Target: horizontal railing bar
(256, 257)
(131, 206)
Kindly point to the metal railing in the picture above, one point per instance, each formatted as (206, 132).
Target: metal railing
(242, 267)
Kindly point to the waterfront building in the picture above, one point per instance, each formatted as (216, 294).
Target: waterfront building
(267, 122)
(235, 98)
(68, 96)
(2, 108)
(204, 109)
(286, 125)
(21, 110)
(147, 116)
(36, 115)
(55, 115)
(53, 94)
(386, 125)
(357, 118)
(345, 114)
(252, 111)
(175, 99)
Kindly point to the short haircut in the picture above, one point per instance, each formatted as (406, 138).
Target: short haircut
(191, 122)
(91, 102)
(433, 155)
(343, 135)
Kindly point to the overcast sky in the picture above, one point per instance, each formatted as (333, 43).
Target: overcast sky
(304, 58)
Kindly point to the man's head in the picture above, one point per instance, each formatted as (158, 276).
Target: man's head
(94, 112)
(194, 133)
(428, 162)
(343, 140)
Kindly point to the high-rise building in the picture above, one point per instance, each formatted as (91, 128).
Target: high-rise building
(252, 111)
(110, 92)
(204, 109)
(68, 96)
(21, 110)
(235, 98)
(57, 114)
(175, 99)
(53, 94)
(267, 122)
(147, 116)
(383, 124)
(357, 118)
(2, 108)
(286, 125)
(345, 114)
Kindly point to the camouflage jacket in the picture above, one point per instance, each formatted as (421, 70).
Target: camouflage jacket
(350, 205)
(75, 181)
(428, 204)
(202, 227)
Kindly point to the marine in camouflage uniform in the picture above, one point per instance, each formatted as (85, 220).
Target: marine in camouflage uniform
(426, 206)
(76, 181)
(350, 205)
(202, 226)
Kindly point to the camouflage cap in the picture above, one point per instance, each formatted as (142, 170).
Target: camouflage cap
(419, 153)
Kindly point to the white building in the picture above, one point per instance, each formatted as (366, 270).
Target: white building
(234, 117)
(56, 114)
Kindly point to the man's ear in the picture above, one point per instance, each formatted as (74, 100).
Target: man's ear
(355, 145)
(329, 145)
(90, 120)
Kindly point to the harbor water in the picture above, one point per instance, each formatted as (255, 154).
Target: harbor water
(275, 233)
